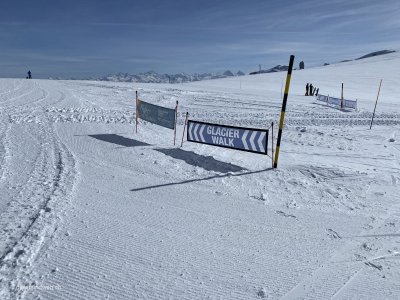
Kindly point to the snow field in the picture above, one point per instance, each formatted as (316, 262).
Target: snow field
(91, 210)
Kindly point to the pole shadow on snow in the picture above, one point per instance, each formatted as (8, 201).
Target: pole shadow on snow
(118, 139)
(208, 163)
(376, 235)
(198, 180)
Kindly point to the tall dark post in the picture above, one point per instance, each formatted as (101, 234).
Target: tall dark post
(285, 97)
(176, 120)
(137, 111)
(373, 115)
(341, 102)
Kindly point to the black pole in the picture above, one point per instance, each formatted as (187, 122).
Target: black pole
(285, 97)
(373, 115)
(341, 102)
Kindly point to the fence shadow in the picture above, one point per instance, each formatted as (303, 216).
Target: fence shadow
(334, 107)
(118, 140)
(198, 180)
(208, 163)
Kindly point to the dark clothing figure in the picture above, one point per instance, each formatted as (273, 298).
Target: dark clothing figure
(29, 74)
(316, 93)
(307, 86)
(301, 65)
(311, 90)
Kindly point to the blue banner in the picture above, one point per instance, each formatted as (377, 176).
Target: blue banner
(240, 138)
(156, 114)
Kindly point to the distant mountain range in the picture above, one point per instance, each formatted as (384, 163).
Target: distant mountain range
(372, 54)
(280, 68)
(154, 77)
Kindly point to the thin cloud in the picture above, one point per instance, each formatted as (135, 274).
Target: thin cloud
(194, 36)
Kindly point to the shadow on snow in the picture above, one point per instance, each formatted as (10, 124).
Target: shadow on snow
(198, 180)
(118, 139)
(208, 163)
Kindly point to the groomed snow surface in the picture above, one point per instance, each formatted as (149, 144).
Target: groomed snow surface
(92, 210)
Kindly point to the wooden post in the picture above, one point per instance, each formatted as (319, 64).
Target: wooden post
(176, 120)
(376, 102)
(285, 97)
(272, 144)
(186, 120)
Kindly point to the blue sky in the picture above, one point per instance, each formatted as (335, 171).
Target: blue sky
(83, 38)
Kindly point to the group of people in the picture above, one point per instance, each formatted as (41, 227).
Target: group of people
(311, 90)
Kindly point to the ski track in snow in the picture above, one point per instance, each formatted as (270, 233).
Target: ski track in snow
(87, 217)
(97, 115)
(30, 215)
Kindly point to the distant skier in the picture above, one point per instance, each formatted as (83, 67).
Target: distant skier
(307, 86)
(29, 74)
(311, 90)
(317, 91)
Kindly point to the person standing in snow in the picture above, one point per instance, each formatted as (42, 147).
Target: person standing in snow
(311, 90)
(307, 89)
(29, 74)
(316, 93)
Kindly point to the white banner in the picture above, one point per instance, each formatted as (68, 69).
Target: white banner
(322, 98)
(338, 102)
(334, 101)
(350, 104)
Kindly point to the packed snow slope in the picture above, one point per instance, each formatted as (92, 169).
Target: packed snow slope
(91, 210)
